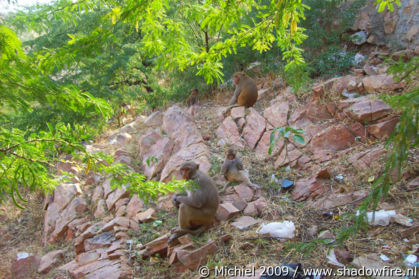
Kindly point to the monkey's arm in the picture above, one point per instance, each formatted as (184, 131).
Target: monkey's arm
(235, 96)
(195, 200)
(224, 168)
(239, 164)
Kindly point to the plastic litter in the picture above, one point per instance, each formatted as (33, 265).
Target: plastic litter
(411, 260)
(384, 258)
(281, 230)
(380, 218)
(286, 184)
(23, 255)
(333, 260)
(339, 177)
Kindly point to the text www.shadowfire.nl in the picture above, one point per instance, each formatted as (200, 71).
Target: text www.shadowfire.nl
(230, 271)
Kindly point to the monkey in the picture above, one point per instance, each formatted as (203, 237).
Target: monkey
(197, 207)
(246, 92)
(233, 170)
(193, 98)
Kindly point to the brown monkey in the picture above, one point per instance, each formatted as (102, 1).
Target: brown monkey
(246, 93)
(233, 170)
(197, 207)
(193, 98)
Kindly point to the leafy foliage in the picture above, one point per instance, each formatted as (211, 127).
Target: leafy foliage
(285, 132)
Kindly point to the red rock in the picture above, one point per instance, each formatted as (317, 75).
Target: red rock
(206, 138)
(195, 258)
(91, 231)
(325, 174)
(121, 202)
(101, 209)
(118, 221)
(154, 120)
(299, 119)
(309, 188)
(64, 193)
(159, 245)
(238, 202)
(260, 205)
(88, 271)
(87, 257)
(134, 206)
(229, 131)
(244, 192)
(254, 128)
(277, 114)
(121, 236)
(348, 82)
(146, 216)
(165, 203)
(369, 110)
(366, 158)
(383, 129)
(334, 200)
(343, 256)
(25, 268)
(71, 212)
(244, 222)
(287, 156)
(157, 156)
(50, 218)
(97, 193)
(148, 140)
(226, 237)
(334, 138)
(107, 189)
(226, 211)
(358, 130)
(251, 210)
(383, 83)
(121, 211)
(197, 152)
(173, 258)
(413, 184)
(303, 162)
(343, 104)
(185, 239)
(263, 146)
(237, 112)
(317, 113)
(99, 241)
(119, 193)
(121, 139)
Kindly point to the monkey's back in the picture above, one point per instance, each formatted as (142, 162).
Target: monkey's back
(249, 94)
(211, 198)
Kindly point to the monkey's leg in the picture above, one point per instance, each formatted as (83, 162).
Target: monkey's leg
(225, 187)
(244, 176)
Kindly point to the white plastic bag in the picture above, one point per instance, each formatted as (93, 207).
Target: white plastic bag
(382, 217)
(283, 230)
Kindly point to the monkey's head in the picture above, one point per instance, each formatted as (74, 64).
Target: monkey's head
(195, 92)
(231, 154)
(188, 169)
(237, 77)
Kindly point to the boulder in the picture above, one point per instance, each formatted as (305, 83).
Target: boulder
(49, 260)
(118, 221)
(369, 110)
(309, 188)
(383, 129)
(237, 112)
(154, 120)
(226, 211)
(134, 206)
(238, 202)
(244, 192)
(157, 156)
(197, 257)
(146, 216)
(287, 156)
(365, 158)
(101, 209)
(159, 245)
(119, 193)
(229, 131)
(336, 137)
(99, 241)
(263, 146)
(383, 83)
(148, 140)
(334, 200)
(64, 194)
(87, 257)
(24, 268)
(254, 128)
(199, 153)
(277, 114)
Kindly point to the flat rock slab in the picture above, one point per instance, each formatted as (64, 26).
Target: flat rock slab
(229, 131)
(254, 128)
(245, 222)
(369, 110)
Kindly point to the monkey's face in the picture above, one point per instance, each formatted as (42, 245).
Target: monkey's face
(230, 156)
(186, 173)
(236, 79)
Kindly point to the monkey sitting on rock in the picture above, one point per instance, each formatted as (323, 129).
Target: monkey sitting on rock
(246, 92)
(193, 98)
(197, 207)
(233, 170)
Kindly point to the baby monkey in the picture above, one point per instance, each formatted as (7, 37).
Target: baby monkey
(233, 170)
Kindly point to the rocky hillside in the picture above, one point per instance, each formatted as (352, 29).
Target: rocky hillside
(91, 230)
